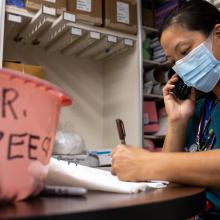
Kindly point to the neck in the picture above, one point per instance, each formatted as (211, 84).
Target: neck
(216, 90)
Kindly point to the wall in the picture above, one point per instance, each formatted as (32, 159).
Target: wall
(102, 92)
(83, 80)
(122, 98)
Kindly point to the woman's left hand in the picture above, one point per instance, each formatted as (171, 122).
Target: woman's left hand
(128, 163)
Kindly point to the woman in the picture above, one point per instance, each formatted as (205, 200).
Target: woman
(190, 38)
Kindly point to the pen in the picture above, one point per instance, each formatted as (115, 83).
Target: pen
(121, 130)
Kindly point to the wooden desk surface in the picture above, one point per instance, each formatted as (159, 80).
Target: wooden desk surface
(173, 202)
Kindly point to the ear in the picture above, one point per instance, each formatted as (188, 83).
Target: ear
(217, 31)
(216, 42)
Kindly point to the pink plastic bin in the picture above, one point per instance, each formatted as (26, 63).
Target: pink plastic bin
(29, 112)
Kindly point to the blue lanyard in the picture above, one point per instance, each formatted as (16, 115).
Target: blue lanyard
(202, 128)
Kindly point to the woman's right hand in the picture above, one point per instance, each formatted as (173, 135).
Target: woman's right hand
(178, 110)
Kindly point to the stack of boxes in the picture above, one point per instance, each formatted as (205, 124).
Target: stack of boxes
(152, 50)
(147, 51)
(151, 125)
(157, 50)
(155, 121)
(35, 5)
(153, 15)
(33, 70)
(86, 11)
(120, 15)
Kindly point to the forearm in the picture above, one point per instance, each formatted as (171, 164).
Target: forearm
(175, 138)
(198, 168)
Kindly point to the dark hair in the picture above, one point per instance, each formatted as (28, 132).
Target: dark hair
(195, 15)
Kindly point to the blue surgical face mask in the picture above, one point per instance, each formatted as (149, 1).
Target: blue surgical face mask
(199, 68)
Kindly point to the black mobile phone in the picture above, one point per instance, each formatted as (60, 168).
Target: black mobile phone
(181, 90)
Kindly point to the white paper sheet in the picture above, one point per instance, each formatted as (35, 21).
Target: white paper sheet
(70, 174)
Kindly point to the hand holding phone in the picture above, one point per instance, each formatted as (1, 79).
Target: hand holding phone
(181, 90)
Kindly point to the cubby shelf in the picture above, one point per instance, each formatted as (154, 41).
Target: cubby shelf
(149, 64)
(150, 29)
(64, 34)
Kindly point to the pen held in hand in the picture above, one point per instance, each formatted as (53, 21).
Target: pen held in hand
(121, 130)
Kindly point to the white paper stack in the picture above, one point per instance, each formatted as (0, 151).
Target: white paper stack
(63, 173)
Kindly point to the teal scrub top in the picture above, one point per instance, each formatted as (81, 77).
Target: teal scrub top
(212, 196)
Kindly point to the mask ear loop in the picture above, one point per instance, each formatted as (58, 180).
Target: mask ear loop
(209, 41)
